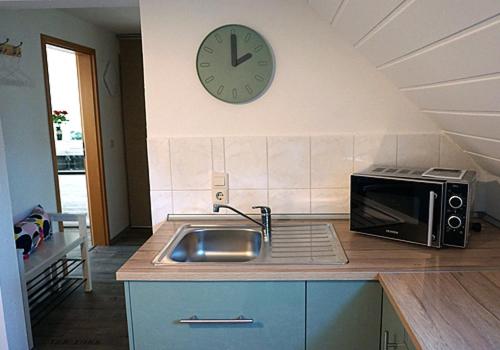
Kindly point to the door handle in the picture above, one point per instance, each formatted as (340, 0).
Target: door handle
(430, 222)
(195, 320)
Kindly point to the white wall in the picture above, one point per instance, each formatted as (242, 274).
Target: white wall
(12, 323)
(3, 328)
(25, 121)
(321, 84)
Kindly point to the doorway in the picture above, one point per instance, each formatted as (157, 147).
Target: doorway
(73, 116)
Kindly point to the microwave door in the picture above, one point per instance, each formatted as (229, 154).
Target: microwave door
(400, 209)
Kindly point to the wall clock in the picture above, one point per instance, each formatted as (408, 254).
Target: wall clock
(235, 64)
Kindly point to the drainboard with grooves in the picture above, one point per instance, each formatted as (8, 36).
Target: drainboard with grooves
(306, 244)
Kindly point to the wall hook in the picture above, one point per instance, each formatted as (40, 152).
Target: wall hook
(18, 46)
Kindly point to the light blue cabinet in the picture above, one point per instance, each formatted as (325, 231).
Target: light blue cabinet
(155, 308)
(343, 315)
(312, 315)
(393, 334)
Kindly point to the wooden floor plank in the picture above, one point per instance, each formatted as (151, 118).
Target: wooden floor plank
(97, 320)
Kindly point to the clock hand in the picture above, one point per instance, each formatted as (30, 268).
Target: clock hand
(234, 53)
(243, 59)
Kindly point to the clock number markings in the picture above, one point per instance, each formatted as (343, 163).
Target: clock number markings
(262, 63)
(259, 78)
(220, 89)
(248, 37)
(218, 38)
(204, 64)
(235, 93)
(209, 79)
(249, 89)
(257, 48)
(208, 49)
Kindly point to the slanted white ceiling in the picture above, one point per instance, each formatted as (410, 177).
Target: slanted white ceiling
(443, 54)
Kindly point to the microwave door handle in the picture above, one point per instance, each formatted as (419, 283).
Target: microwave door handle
(430, 223)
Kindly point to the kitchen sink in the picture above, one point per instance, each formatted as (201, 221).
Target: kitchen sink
(243, 244)
(218, 245)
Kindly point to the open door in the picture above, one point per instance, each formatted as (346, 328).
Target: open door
(86, 75)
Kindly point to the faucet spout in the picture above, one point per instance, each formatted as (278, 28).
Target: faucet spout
(265, 215)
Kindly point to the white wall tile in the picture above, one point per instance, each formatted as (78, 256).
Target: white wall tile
(331, 161)
(245, 199)
(451, 156)
(159, 164)
(289, 162)
(246, 162)
(218, 164)
(161, 206)
(192, 202)
(191, 163)
(418, 150)
(373, 149)
(289, 201)
(330, 201)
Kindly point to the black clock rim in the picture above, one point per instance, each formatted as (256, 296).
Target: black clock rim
(268, 84)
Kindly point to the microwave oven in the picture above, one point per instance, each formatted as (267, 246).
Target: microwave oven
(430, 207)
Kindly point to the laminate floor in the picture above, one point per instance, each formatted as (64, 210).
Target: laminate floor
(97, 320)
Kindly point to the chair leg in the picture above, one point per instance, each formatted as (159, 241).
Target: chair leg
(84, 250)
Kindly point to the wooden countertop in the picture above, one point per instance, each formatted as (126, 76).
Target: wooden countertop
(368, 256)
(449, 310)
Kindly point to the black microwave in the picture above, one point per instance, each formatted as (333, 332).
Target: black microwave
(431, 207)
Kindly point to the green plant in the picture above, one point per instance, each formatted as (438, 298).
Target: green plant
(59, 117)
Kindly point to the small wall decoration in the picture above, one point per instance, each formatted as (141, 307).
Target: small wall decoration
(11, 73)
(10, 50)
(111, 81)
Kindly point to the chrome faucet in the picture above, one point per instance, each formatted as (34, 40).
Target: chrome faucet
(265, 217)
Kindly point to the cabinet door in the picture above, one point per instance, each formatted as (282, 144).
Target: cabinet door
(277, 310)
(343, 315)
(393, 335)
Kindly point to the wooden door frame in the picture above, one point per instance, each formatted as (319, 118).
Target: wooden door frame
(96, 184)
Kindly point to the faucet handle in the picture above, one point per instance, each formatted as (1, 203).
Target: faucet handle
(263, 209)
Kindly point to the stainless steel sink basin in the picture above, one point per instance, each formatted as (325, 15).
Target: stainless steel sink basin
(218, 245)
(291, 244)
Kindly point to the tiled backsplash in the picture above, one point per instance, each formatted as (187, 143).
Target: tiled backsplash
(290, 174)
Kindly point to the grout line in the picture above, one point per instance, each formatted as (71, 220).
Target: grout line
(339, 11)
(212, 152)
(466, 113)
(310, 174)
(461, 81)
(439, 149)
(224, 156)
(476, 27)
(482, 156)
(384, 21)
(471, 136)
(352, 152)
(171, 174)
(397, 150)
(267, 168)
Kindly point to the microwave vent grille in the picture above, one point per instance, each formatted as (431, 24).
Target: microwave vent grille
(398, 171)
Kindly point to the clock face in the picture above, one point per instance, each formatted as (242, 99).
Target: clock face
(235, 64)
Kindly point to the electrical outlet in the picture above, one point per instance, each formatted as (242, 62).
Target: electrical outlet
(219, 196)
(220, 188)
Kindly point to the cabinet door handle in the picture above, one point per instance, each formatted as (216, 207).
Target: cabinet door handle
(195, 320)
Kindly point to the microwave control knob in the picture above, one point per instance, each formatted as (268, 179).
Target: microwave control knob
(455, 202)
(454, 221)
